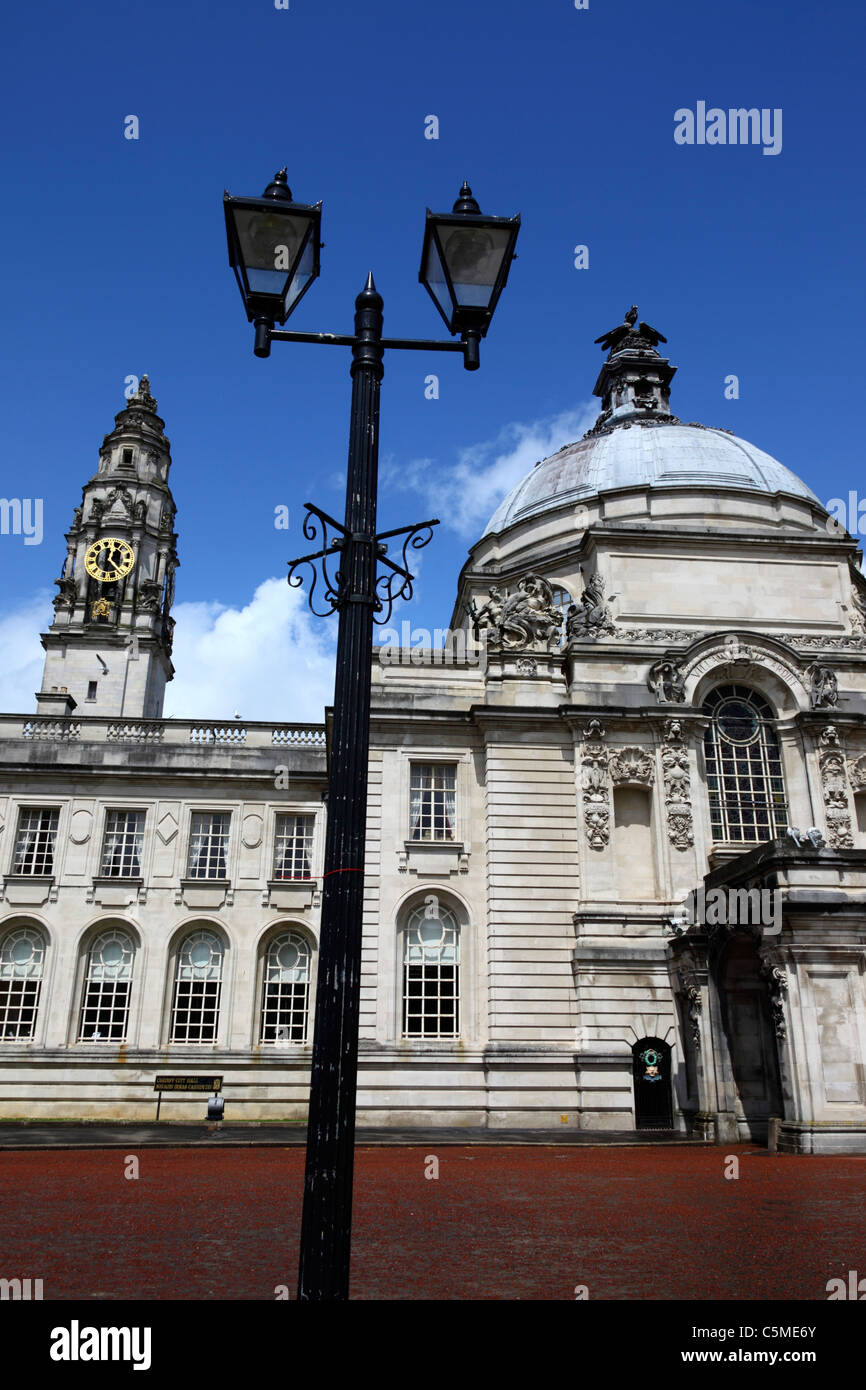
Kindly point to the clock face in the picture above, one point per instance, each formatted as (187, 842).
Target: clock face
(109, 559)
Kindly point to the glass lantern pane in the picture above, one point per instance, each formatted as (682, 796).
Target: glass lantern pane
(474, 257)
(434, 278)
(269, 243)
(303, 274)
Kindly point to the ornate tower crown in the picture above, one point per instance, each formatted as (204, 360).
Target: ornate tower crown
(634, 383)
(108, 649)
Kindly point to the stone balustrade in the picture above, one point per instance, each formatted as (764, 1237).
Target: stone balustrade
(177, 732)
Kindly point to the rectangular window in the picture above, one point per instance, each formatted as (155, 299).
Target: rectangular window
(433, 801)
(196, 1011)
(208, 844)
(34, 848)
(91, 690)
(121, 849)
(293, 847)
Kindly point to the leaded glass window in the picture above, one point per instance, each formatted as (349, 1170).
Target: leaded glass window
(197, 987)
(431, 972)
(433, 801)
(107, 986)
(34, 846)
(286, 990)
(121, 848)
(22, 957)
(744, 767)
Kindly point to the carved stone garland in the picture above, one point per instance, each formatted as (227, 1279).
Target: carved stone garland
(831, 761)
(677, 786)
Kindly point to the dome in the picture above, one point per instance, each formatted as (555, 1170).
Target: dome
(650, 454)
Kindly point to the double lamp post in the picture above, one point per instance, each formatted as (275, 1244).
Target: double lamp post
(274, 246)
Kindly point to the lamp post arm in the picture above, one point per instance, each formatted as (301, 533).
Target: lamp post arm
(468, 346)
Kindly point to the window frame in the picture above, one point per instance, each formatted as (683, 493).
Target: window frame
(729, 808)
(284, 815)
(127, 811)
(9, 930)
(39, 808)
(102, 930)
(449, 764)
(275, 935)
(197, 929)
(189, 875)
(412, 918)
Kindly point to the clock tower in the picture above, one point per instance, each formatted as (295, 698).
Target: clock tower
(108, 650)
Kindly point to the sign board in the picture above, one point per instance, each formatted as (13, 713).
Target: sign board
(188, 1083)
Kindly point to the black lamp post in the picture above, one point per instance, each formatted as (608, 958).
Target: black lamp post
(274, 251)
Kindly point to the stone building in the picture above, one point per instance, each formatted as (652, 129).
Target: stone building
(616, 872)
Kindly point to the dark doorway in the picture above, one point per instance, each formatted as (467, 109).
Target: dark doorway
(651, 1062)
(751, 1044)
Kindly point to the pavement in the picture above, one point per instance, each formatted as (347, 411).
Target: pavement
(33, 1134)
(533, 1222)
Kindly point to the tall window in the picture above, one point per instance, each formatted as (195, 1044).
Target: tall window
(208, 844)
(34, 847)
(744, 767)
(197, 986)
(433, 801)
(121, 848)
(22, 956)
(293, 847)
(286, 990)
(431, 973)
(107, 985)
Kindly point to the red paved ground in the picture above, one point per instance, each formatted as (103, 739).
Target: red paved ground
(499, 1223)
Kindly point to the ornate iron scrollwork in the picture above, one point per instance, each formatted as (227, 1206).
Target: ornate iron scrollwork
(389, 587)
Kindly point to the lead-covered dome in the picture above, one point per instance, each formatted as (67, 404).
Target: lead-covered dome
(636, 442)
(645, 454)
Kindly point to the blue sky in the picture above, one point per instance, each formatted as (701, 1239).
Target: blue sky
(116, 264)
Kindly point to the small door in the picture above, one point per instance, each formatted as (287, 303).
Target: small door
(652, 1084)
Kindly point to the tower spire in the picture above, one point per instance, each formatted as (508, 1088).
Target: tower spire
(108, 650)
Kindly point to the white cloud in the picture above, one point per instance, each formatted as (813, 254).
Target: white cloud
(269, 660)
(23, 657)
(465, 494)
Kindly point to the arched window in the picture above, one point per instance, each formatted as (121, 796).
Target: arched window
(431, 972)
(22, 956)
(107, 985)
(744, 767)
(286, 990)
(197, 986)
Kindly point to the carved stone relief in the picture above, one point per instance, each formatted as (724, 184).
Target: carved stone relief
(777, 985)
(831, 761)
(593, 618)
(666, 681)
(677, 786)
(631, 765)
(526, 620)
(596, 788)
